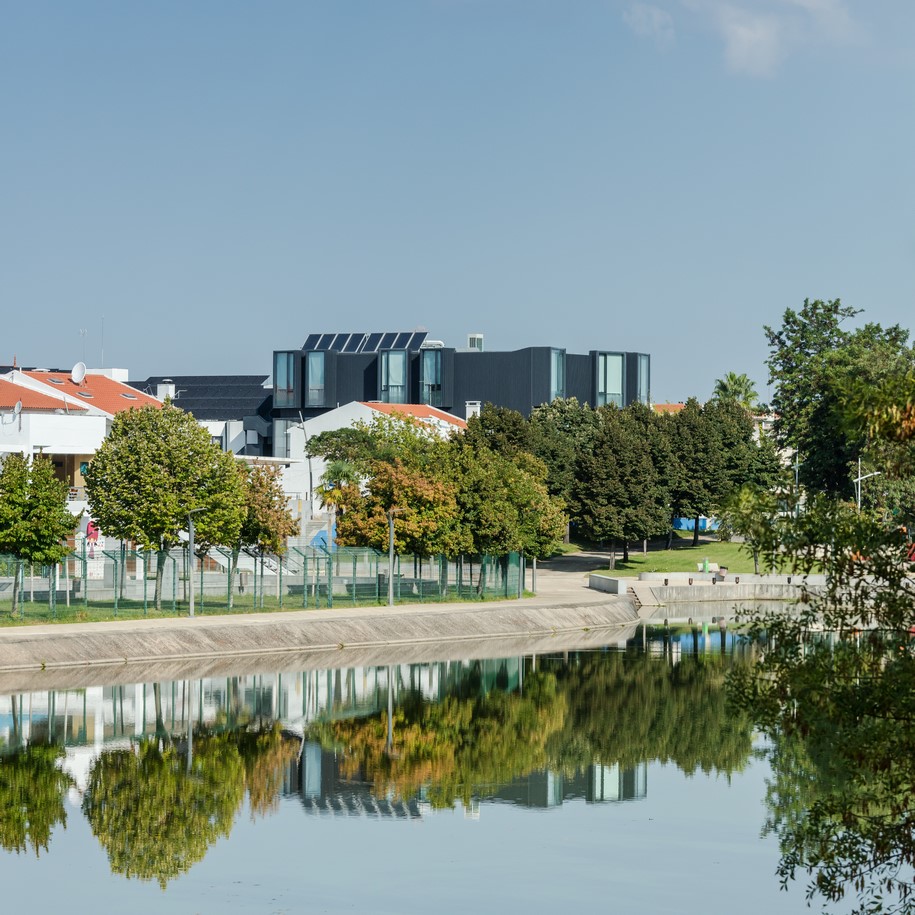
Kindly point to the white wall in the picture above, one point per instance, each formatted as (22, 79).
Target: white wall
(58, 433)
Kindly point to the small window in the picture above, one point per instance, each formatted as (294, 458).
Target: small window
(557, 374)
(129, 396)
(55, 381)
(85, 394)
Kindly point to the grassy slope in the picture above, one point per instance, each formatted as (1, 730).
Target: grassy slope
(684, 557)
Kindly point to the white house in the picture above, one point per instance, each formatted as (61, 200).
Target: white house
(302, 476)
(65, 415)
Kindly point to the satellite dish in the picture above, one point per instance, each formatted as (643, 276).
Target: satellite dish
(78, 373)
(18, 408)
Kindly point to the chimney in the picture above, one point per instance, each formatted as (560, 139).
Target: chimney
(471, 408)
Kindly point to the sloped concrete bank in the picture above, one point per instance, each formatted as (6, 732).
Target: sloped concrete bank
(306, 634)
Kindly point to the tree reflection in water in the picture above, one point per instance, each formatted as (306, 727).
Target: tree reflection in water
(32, 792)
(603, 708)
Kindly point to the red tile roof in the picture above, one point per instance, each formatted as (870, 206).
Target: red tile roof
(422, 412)
(32, 401)
(668, 407)
(99, 391)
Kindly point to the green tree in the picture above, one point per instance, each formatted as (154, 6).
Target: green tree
(268, 522)
(739, 389)
(34, 521)
(154, 468)
(620, 495)
(814, 361)
(32, 791)
(501, 429)
(560, 432)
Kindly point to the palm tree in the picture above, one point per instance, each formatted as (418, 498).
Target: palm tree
(739, 388)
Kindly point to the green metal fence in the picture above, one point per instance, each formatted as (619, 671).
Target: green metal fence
(121, 583)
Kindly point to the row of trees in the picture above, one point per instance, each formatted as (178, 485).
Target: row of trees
(625, 474)
(447, 496)
(155, 468)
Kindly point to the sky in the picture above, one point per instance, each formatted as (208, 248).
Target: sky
(187, 186)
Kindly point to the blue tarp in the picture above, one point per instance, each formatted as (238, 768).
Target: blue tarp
(688, 524)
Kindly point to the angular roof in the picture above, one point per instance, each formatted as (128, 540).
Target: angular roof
(213, 397)
(421, 412)
(98, 391)
(33, 401)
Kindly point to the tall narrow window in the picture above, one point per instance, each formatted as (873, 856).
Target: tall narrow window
(557, 374)
(393, 376)
(644, 378)
(315, 380)
(281, 438)
(609, 379)
(284, 380)
(430, 377)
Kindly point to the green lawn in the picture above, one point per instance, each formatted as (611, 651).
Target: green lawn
(684, 558)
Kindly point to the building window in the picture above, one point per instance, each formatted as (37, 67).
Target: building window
(610, 379)
(393, 376)
(430, 377)
(644, 378)
(315, 380)
(284, 381)
(557, 373)
(280, 438)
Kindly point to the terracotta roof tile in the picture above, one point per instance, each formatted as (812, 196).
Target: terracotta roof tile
(422, 412)
(32, 401)
(99, 391)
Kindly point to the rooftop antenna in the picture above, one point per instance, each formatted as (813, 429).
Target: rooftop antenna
(103, 341)
(84, 332)
(78, 373)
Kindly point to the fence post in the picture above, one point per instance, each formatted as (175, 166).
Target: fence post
(354, 579)
(279, 572)
(174, 584)
(201, 585)
(330, 580)
(85, 561)
(145, 584)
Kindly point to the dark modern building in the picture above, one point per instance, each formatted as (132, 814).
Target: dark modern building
(406, 367)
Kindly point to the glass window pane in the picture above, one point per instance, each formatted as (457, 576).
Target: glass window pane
(430, 382)
(315, 369)
(557, 374)
(610, 379)
(394, 376)
(644, 378)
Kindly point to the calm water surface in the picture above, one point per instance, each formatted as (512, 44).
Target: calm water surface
(614, 780)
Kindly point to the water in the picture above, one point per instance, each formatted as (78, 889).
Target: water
(602, 780)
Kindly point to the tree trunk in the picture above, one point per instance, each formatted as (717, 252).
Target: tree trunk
(756, 561)
(161, 556)
(16, 570)
(696, 532)
(625, 551)
(161, 734)
(233, 569)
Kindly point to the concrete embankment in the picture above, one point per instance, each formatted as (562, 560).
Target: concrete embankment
(683, 595)
(302, 638)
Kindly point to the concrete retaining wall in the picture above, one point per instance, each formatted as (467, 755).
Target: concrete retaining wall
(140, 641)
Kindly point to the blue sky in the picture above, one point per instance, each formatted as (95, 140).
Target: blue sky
(219, 179)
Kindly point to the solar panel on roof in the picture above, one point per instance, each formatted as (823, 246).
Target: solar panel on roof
(371, 345)
(419, 338)
(353, 344)
(312, 341)
(325, 341)
(401, 341)
(387, 341)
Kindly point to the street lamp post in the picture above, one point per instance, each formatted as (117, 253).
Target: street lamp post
(190, 556)
(391, 512)
(859, 480)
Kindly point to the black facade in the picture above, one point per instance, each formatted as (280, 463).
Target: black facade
(335, 369)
